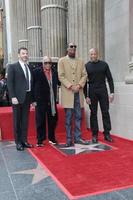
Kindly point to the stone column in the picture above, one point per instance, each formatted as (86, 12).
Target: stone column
(34, 30)
(11, 29)
(86, 25)
(22, 23)
(53, 14)
(129, 77)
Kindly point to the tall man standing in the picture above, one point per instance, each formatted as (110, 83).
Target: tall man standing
(72, 75)
(98, 71)
(19, 82)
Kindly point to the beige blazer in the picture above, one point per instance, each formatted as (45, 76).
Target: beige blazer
(71, 73)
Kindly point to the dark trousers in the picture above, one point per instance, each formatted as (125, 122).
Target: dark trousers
(101, 96)
(43, 114)
(21, 118)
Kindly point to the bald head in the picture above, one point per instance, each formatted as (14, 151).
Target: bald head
(93, 54)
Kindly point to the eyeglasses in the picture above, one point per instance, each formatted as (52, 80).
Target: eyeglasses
(47, 63)
(73, 46)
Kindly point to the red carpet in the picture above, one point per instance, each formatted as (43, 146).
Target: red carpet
(82, 174)
(88, 174)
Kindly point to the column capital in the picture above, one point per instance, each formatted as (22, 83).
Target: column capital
(53, 6)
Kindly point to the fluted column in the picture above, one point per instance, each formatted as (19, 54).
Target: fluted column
(53, 14)
(86, 25)
(34, 29)
(129, 77)
(22, 23)
(11, 30)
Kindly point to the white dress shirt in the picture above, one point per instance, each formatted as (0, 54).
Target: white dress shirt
(22, 64)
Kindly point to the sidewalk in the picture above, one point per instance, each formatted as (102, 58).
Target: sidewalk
(22, 178)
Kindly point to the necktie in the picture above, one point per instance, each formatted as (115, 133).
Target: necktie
(27, 76)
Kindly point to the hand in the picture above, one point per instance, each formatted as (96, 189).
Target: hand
(111, 97)
(75, 88)
(34, 104)
(88, 101)
(15, 101)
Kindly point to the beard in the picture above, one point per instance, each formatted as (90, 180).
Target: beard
(71, 55)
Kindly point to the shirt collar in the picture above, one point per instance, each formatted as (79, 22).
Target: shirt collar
(22, 63)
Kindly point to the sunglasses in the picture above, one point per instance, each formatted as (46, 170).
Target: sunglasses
(73, 46)
(47, 63)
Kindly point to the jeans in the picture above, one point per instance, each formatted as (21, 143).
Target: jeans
(77, 112)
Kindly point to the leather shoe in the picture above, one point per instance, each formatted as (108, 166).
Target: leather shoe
(94, 139)
(81, 141)
(19, 147)
(69, 144)
(27, 145)
(108, 138)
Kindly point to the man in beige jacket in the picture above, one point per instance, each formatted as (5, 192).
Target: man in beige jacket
(72, 75)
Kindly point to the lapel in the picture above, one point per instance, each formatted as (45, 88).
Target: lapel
(19, 68)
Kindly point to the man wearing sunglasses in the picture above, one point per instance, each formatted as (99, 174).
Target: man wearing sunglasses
(45, 90)
(72, 75)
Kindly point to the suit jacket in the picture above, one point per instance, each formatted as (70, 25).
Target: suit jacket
(71, 74)
(16, 81)
(41, 89)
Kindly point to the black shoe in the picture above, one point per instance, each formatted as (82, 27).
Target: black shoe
(94, 139)
(108, 138)
(27, 145)
(69, 144)
(19, 147)
(81, 141)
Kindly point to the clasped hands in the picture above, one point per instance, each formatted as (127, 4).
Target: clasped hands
(75, 88)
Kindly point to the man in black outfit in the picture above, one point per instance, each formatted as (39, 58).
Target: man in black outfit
(19, 82)
(98, 71)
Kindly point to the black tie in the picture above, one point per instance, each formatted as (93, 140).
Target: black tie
(27, 76)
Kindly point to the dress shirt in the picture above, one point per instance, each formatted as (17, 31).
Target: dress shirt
(22, 64)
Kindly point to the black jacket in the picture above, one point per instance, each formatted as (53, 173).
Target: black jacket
(41, 89)
(16, 82)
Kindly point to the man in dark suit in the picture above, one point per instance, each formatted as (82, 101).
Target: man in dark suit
(45, 91)
(19, 82)
(98, 71)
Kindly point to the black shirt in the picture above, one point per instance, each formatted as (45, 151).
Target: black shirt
(98, 72)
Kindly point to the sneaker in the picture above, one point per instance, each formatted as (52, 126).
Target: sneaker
(81, 141)
(69, 144)
(40, 145)
(94, 139)
(53, 142)
(108, 138)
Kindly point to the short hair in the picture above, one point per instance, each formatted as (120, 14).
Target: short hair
(22, 48)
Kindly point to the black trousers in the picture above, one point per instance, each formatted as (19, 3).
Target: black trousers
(21, 119)
(43, 115)
(99, 95)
